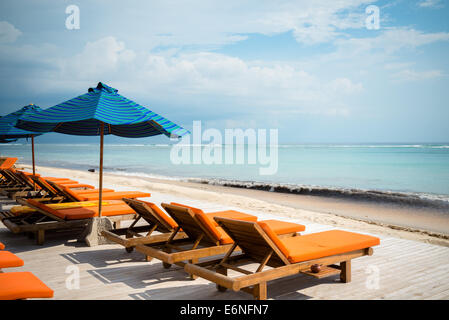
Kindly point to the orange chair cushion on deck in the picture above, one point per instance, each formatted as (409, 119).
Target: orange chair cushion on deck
(9, 260)
(273, 237)
(284, 227)
(231, 214)
(195, 210)
(78, 185)
(276, 226)
(88, 191)
(210, 226)
(22, 285)
(327, 243)
(114, 195)
(45, 208)
(73, 194)
(89, 212)
(161, 214)
(2, 246)
(64, 182)
(8, 163)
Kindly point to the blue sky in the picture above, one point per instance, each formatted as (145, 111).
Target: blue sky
(309, 68)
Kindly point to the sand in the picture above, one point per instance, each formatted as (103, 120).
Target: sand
(410, 223)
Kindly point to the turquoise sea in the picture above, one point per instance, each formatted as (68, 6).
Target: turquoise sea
(414, 169)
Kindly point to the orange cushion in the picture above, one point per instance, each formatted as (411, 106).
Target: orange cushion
(210, 226)
(284, 227)
(46, 208)
(195, 210)
(9, 260)
(22, 285)
(89, 212)
(273, 237)
(224, 237)
(161, 214)
(231, 214)
(2, 246)
(114, 195)
(8, 163)
(78, 185)
(88, 191)
(74, 195)
(64, 181)
(327, 243)
(276, 226)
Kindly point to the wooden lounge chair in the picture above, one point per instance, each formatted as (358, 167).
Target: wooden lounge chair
(49, 217)
(53, 193)
(158, 221)
(22, 285)
(204, 238)
(26, 187)
(286, 257)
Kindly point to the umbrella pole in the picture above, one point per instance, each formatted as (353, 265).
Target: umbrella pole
(101, 169)
(34, 164)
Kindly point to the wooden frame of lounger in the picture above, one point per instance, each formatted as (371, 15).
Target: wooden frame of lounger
(19, 185)
(257, 247)
(201, 243)
(38, 223)
(133, 234)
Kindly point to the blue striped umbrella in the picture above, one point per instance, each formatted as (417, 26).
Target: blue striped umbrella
(9, 133)
(7, 140)
(101, 111)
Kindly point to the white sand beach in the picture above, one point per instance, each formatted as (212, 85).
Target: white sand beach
(108, 272)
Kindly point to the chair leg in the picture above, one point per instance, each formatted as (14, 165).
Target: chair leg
(193, 261)
(223, 271)
(40, 237)
(260, 291)
(345, 275)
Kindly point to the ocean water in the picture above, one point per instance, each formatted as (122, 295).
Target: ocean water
(419, 170)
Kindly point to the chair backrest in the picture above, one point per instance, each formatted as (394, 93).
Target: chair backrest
(253, 240)
(65, 192)
(195, 210)
(8, 163)
(189, 223)
(151, 214)
(44, 185)
(21, 178)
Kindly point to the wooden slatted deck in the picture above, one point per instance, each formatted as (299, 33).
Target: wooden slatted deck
(405, 269)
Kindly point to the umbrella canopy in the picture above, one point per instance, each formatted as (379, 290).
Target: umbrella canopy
(9, 133)
(101, 111)
(84, 115)
(7, 124)
(7, 140)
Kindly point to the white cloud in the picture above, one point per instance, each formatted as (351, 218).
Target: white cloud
(8, 33)
(387, 43)
(99, 57)
(210, 78)
(411, 75)
(430, 4)
(223, 22)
